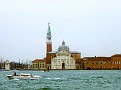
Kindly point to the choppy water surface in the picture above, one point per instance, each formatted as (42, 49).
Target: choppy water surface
(65, 80)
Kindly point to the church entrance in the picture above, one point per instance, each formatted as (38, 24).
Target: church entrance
(88, 68)
(63, 65)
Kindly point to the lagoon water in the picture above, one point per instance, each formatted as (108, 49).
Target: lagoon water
(65, 80)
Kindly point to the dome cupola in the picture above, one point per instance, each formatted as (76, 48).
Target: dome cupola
(63, 47)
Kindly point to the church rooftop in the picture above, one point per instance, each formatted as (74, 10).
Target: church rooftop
(69, 52)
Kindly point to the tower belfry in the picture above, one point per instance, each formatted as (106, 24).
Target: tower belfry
(49, 41)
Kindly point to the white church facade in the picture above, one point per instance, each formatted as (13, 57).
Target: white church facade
(63, 59)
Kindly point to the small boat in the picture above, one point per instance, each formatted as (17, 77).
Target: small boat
(23, 76)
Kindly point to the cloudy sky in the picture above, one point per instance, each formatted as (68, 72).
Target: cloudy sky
(92, 27)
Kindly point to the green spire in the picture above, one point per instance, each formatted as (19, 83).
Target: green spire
(49, 31)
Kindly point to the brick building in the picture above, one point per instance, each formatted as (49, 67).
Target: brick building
(38, 64)
(97, 62)
(116, 61)
(102, 63)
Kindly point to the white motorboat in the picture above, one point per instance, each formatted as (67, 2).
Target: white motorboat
(23, 76)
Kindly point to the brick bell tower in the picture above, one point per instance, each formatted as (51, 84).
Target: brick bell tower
(48, 48)
(48, 42)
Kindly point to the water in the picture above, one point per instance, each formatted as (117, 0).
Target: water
(65, 80)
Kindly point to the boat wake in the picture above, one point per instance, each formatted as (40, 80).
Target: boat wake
(16, 79)
(53, 78)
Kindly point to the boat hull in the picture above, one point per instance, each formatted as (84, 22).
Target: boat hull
(23, 77)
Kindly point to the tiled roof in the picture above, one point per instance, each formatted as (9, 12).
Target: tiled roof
(74, 52)
(116, 55)
(96, 58)
(69, 51)
(38, 60)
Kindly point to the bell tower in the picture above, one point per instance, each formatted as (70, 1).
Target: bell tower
(48, 48)
(48, 41)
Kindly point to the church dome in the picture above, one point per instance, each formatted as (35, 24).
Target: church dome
(63, 47)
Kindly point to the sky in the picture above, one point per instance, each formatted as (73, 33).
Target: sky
(91, 27)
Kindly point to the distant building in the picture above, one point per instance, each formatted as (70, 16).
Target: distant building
(61, 59)
(38, 64)
(116, 61)
(64, 59)
(29, 66)
(7, 65)
(102, 63)
(97, 63)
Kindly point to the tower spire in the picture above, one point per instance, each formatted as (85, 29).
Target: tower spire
(48, 26)
(49, 31)
(49, 42)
